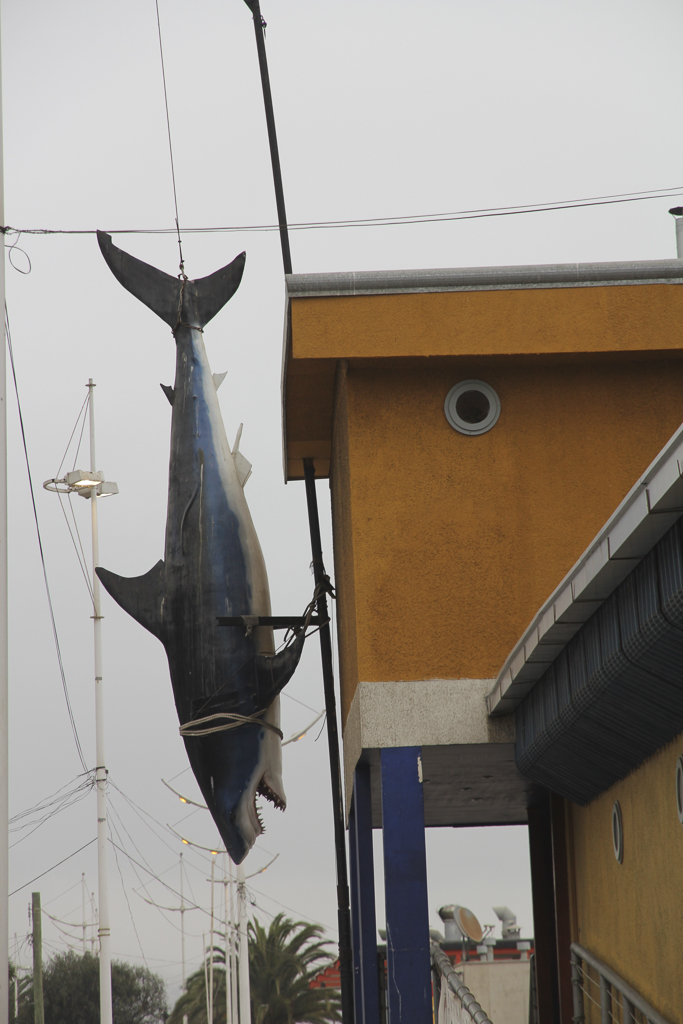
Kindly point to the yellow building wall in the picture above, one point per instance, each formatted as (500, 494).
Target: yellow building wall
(520, 321)
(630, 915)
(446, 545)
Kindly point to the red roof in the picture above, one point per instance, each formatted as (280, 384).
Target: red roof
(329, 978)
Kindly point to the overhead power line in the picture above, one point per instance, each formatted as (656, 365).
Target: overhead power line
(58, 864)
(375, 222)
(53, 622)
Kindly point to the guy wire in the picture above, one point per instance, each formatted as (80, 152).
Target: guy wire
(170, 143)
(53, 622)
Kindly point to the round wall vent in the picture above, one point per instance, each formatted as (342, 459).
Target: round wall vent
(618, 832)
(679, 789)
(472, 407)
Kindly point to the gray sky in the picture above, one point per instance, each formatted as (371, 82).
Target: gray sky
(383, 108)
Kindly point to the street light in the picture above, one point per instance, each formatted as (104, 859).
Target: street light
(91, 484)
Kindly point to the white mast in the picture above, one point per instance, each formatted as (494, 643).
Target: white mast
(101, 771)
(4, 733)
(182, 917)
(245, 999)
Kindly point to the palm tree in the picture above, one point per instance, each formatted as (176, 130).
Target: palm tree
(192, 1003)
(283, 961)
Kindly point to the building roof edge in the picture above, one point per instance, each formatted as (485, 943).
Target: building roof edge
(559, 275)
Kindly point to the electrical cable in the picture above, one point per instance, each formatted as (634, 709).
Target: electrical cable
(360, 222)
(125, 893)
(170, 143)
(80, 555)
(58, 864)
(40, 547)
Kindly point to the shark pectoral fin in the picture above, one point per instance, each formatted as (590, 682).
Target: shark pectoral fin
(218, 378)
(140, 596)
(169, 391)
(243, 467)
(274, 672)
(159, 291)
(203, 298)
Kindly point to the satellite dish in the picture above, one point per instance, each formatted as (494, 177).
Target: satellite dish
(468, 924)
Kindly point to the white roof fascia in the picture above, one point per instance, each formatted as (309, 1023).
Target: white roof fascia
(647, 512)
(551, 275)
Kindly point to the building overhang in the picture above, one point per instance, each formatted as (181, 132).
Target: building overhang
(396, 316)
(595, 680)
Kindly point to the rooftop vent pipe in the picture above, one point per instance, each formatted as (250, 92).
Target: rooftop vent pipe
(507, 918)
(677, 212)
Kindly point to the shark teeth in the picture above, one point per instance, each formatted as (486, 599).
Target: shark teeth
(264, 790)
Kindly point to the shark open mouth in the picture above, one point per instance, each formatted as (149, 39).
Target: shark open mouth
(264, 790)
(266, 782)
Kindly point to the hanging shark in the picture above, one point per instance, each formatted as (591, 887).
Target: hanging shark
(226, 681)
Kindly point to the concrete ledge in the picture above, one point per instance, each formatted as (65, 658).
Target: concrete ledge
(423, 712)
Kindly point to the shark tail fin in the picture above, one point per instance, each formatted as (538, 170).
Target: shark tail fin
(140, 596)
(174, 300)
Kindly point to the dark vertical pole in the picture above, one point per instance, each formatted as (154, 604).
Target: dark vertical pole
(543, 895)
(259, 25)
(409, 980)
(37, 919)
(355, 919)
(322, 585)
(562, 914)
(365, 873)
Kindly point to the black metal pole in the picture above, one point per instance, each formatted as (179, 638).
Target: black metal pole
(343, 911)
(259, 25)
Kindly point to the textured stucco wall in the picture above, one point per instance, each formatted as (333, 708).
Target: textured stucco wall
(630, 915)
(446, 545)
(597, 319)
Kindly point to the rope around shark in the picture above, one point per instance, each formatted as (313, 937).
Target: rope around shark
(231, 720)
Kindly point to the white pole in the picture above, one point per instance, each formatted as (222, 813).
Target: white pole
(4, 733)
(182, 918)
(213, 871)
(104, 932)
(206, 979)
(245, 1000)
(228, 986)
(234, 990)
(85, 923)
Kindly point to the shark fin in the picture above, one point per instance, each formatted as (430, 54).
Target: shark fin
(273, 672)
(169, 391)
(218, 378)
(140, 596)
(159, 291)
(243, 467)
(174, 300)
(207, 296)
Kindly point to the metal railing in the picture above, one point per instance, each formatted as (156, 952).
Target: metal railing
(453, 1001)
(606, 997)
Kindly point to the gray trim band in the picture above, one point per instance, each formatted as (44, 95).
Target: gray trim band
(558, 275)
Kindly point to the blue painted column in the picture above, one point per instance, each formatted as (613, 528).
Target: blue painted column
(355, 924)
(365, 873)
(409, 987)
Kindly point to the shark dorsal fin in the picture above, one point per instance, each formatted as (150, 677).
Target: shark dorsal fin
(175, 301)
(169, 391)
(140, 596)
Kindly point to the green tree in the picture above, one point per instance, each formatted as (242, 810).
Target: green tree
(282, 963)
(71, 991)
(283, 960)
(193, 1000)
